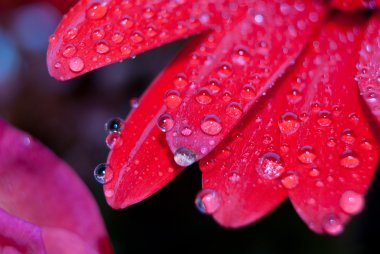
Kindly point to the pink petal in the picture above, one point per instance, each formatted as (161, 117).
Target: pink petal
(38, 187)
(234, 66)
(334, 152)
(369, 67)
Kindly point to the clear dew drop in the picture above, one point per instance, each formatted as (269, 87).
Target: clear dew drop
(96, 11)
(126, 22)
(324, 118)
(134, 102)
(332, 225)
(112, 138)
(117, 37)
(180, 81)
(248, 92)
(204, 96)
(76, 64)
(100, 173)
(184, 157)
(294, 96)
(114, 125)
(348, 136)
(306, 155)
(290, 180)
(207, 201)
(269, 166)
(165, 122)
(352, 202)
(98, 34)
(241, 57)
(211, 125)
(102, 47)
(214, 86)
(366, 145)
(349, 159)
(225, 71)
(151, 31)
(137, 37)
(234, 110)
(69, 51)
(71, 34)
(172, 99)
(289, 123)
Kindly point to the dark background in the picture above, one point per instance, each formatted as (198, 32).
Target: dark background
(69, 118)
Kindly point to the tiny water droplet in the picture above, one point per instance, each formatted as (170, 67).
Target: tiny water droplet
(324, 118)
(165, 122)
(331, 142)
(269, 166)
(151, 31)
(180, 81)
(172, 99)
(294, 96)
(71, 33)
(234, 110)
(207, 201)
(332, 225)
(226, 97)
(100, 173)
(125, 50)
(225, 70)
(204, 96)
(241, 57)
(69, 51)
(184, 157)
(137, 37)
(98, 34)
(102, 47)
(348, 136)
(289, 123)
(248, 92)
(290, 180)
(307, 155)
(114, 125)
(96, 11)
(213, 86)
(349, 159)
(352, 202)
(76, 64)
(211, 125)
(186, 131)
(117, 37)
(127, 22)
(366, 145)
(111, 139)
(134, 102)
(314, 172)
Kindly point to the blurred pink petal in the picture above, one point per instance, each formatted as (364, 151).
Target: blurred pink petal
(39, 188)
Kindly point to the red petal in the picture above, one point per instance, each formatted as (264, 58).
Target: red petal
(369, 67)
(350, 5)
(38, 187)
(140, 162)
(97, 33)
(234, 66)
(334, 153)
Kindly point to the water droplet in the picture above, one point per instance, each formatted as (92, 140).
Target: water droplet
(134, 102)
(332, 225)
(76, 64)
(102, 47)
(234, 110)
(172, 99)
(290, 180)
(331, 142)
(324, 118)
(114, 125)
(207, 201)
(289, 123)
(349, 159)
(248, 92)
(137, 37)
(269, 166)
(348, 136)
(71, 33)
(352, 202)
(366, 145)
(211, 125)
(225, 70)
(180, 81)
(111, 139)
(148, 12)
(98, 34)
(226, 97)
(96, 11)
(69, 51)
(109, 193)
(241, 57)
(126, 50)
(165, 122)
(151, 31)
(294, 96)
(53, 38)
(314, 172)
(204, 96)
(184, 157)
(127, 22)
(307, 155)
(213, 86)
(117, 37)
(100, 173)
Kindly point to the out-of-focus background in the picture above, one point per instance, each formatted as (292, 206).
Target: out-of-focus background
(69, 118)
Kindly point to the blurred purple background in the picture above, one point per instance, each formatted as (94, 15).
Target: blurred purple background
(69, 118)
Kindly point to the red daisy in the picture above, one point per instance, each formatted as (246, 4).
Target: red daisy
(266, 97)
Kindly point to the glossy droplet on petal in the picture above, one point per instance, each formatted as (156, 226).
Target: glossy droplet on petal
(269, 166)
(98, 34)
(134, 102)
(241, 57)
(289, 123)
(76, 64)
(307, 155)
(234, 110)
(366, 145)
(332, 225)
(225, 71)
(96, 11)
(100, 173)
(204, 96)
(114, 125)
(165, 122)
(207, 201)
(172, 99)
(117, 37)
(290, 181)
(352, 202)
(69, 51)
(348, 136)
(180, 81)
(102, 47)
(184, 157)
(127, 22)
(211, 125)
(349, 159)
(248, 92)
(324, 118)
(112, 138)
(294, 96)
(213, 86)
(137, 37)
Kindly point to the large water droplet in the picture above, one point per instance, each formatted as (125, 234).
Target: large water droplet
(204, 96)
(211, 125)
(184, 157)
(69, 51)
(352, 202)
(172, 99)
(307, 155)
(332, 225)
(349, 159)
(225, 70)
(207, 201)
(234, 110)
(324, 118)
(76, 64)
(214, 86)
(289, 123)
(96, 11)
(269, 166)
(102, 47)
(165, 122)
(114, 125)
(100, 173)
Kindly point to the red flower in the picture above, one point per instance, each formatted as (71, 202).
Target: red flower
(265, 97)
(44, 207)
